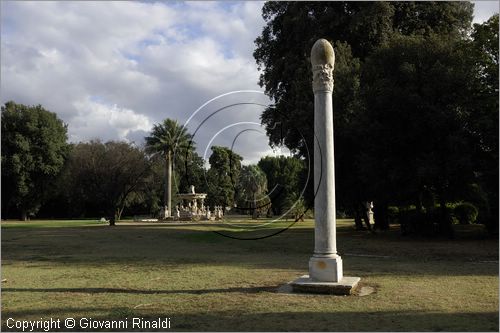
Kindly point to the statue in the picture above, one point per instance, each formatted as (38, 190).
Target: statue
(192, 189)
(218, 212)
(369, 206)
(166, 212)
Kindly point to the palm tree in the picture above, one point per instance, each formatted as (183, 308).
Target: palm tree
(169, 139)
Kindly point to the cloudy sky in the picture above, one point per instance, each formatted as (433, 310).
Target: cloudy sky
(111, 70)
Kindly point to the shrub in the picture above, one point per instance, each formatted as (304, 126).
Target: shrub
(476, 196)
(466, 213)
(393, 214)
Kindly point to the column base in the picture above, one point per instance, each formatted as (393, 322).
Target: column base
(325, 269)
(345, 286)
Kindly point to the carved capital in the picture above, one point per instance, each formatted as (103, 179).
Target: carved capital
(322, 77)
(322, 61)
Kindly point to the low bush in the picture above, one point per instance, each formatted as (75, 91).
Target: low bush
(466, 213)
(393, 214)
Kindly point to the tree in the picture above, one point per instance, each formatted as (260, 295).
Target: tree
(190, 170)
(170, 140)
(153, 190)
(416, 90)
(484, 119)
(104, 178)
(432, 17)
(357, 29)
(295, 205)
(291, 29)
(34, 149)
(222, 177)
(251, 189)
(283, 180)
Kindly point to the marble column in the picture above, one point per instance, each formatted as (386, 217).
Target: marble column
(325, 265)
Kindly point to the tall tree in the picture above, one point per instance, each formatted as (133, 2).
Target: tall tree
(416, 91)
(251, 188)
(357, 29)
(190, 170)
(34, 149)
(283, 180)
(104, 178)
(292, 27)
(432, 17)
(484, 119)
(170, 140)
(222, 177)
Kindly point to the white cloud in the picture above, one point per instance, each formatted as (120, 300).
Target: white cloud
(112, 69)
(107, 122)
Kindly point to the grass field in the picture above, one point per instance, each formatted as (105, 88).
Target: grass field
(203, 281)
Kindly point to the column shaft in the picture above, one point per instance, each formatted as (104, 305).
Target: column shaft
(324, 176)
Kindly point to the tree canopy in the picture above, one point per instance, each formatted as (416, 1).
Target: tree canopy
(222, 177)
(408, 115)
(251, 189)
(34, 149)
(105, 177)
(283, 180)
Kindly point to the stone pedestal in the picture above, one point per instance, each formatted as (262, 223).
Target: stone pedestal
(328, 269)
(345, 286)
(325, 266)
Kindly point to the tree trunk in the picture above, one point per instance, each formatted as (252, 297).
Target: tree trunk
(168, 190)
(358, 221)
(445, 225)
(380, 215)
(492, 223)
(418, 203)
(119, 211)
(24, 215)
(254, 208)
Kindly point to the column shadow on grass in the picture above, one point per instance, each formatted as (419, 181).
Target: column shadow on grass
(247, 290)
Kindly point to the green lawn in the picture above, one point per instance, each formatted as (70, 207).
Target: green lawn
(203, 281)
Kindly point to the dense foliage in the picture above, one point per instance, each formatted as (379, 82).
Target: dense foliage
(34, 149)
(251, 190)
(105, 177)
(415, 99)
(283, 181)
(222, 177)
(466, 213)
